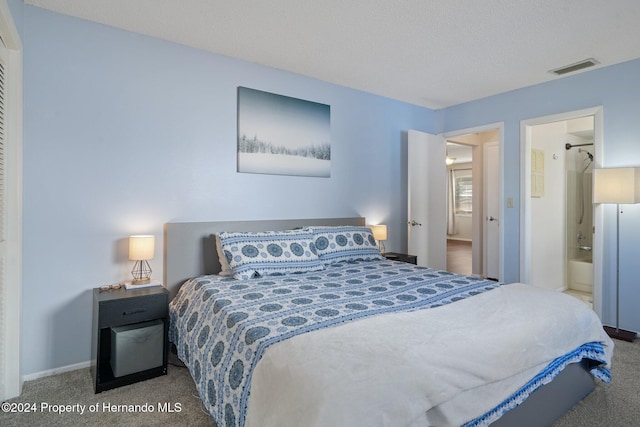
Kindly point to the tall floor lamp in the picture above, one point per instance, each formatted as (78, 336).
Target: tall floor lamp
(618, 186)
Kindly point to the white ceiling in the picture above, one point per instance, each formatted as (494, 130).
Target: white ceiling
(461, 153)
(433, 53)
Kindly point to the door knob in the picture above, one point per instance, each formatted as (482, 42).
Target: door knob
(413, 223)
(490, 218)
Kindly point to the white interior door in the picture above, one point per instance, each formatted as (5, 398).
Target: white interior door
(491, 190)
(427, 192)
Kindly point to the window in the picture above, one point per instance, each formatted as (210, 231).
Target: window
(464, 192)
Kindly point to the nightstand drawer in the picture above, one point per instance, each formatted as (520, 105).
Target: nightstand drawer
(133, 310)
(394, 256)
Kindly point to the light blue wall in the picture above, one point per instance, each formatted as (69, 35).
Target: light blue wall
(15, 7)
(617, 89)
(124, 133)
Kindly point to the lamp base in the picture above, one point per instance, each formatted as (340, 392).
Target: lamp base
(620, 334)
(142, 281)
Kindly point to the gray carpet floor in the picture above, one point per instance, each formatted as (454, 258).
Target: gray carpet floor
(611, 405)
(616, 404)
(176, 390)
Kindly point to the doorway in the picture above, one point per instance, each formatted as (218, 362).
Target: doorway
(560, 223)
(474, 192)
(459, 208)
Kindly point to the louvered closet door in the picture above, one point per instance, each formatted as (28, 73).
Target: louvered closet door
(3, 219)
(10, 204)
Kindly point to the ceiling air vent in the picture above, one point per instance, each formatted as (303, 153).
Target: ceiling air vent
(575, 67)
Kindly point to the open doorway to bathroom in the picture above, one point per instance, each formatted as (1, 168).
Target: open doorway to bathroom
(579, 208)
(560, 218)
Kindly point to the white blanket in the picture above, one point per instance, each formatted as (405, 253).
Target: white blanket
(390, 370)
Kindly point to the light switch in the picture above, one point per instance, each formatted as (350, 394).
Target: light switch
(509, 202)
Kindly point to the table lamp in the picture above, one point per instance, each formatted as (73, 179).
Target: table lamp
(380, 234)
(141, 249)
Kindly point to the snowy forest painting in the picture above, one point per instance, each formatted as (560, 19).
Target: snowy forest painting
(281, 135)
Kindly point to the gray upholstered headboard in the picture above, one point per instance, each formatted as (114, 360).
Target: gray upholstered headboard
(190, 250)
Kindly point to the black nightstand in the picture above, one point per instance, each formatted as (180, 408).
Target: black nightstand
(126, 345)
(411, 259)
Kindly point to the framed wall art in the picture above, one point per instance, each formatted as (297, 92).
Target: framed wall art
(280, 135)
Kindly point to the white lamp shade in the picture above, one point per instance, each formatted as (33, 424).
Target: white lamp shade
(616, 185)
(379, 232)
(141, 247)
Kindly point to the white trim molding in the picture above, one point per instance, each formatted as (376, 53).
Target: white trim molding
(12, 292)
(56, 371)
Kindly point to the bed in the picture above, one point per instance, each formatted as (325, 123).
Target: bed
(362, 340)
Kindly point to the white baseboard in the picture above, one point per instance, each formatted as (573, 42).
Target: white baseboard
(56, 371)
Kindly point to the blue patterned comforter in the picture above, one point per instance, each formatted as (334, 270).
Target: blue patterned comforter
(222, 326)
